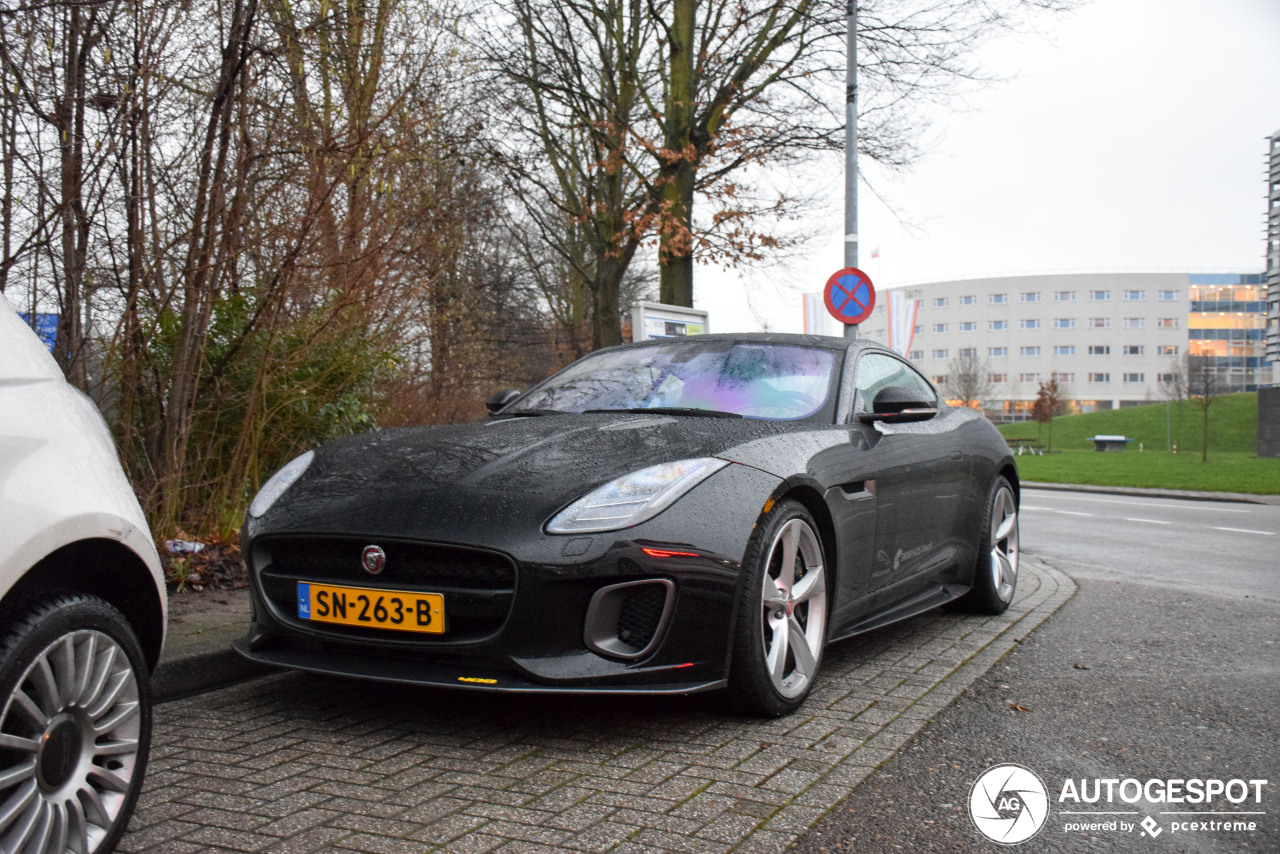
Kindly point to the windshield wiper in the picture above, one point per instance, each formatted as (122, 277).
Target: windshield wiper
(515, 413)
(670, 410)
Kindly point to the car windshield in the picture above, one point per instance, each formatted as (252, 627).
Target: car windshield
(772, 381)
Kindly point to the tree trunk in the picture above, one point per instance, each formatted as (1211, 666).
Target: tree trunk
(1204, 447)
(675, 245)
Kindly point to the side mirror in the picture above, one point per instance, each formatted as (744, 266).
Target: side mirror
(897, 405)
(500, 399)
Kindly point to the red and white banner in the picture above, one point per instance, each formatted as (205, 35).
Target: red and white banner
(902, 321)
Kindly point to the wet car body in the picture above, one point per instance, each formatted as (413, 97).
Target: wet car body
(463, 511)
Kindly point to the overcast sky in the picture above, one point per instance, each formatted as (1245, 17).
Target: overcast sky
(1128, 135)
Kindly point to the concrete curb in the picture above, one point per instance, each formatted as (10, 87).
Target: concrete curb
(1184, 494)
(202, 671)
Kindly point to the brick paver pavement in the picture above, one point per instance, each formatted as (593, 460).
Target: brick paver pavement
(299, 763)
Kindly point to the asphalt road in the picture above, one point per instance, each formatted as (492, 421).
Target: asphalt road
(1210, 545)
(1165, 665)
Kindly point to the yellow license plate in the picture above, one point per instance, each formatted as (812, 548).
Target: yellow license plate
(374, 609)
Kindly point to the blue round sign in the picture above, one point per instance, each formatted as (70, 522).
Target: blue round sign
(850, 296)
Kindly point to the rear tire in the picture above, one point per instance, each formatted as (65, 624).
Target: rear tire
(995, 572)
(782, 616)
(75, 726)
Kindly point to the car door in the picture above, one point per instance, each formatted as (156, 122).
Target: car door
(920, 473)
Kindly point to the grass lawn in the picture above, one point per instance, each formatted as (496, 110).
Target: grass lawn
(1226, 471)
(1233, 465)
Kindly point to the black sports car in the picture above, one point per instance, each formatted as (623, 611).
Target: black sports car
(674, 516)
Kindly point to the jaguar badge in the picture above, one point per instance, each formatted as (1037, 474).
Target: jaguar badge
(373, 559)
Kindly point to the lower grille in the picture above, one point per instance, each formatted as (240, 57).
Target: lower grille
(478, 586)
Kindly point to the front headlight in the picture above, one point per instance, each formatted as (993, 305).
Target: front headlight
(279, 482)
(633, 498)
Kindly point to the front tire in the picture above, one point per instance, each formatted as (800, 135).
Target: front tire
(75, 726)
(782, 617)
(995, 572)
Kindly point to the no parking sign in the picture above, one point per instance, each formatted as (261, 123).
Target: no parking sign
(849, 296)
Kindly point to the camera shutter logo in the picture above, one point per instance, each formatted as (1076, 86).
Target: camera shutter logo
(1008, 804)
(373, 559)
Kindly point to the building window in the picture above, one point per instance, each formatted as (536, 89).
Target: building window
(1135, 322)
(1029, 351)
(1167, 323)
(1064, 378)
(998, 299)
(1064, 350)
(1029, 378)
(1030, 324)
(1166, 296)
(941, 302)
(1099, 349)
(1133, 349)
(1165, 379)
(1099, 322)
(970, 300)
(997, 325)
(939, 379)
(919, 329)
(1064, 323)
(1100, 378)
(1064, 296)
(998, 378)
(1099, 296)
(1167, 349)
(916, 355)
(1030, 296)
(997, 352)
(969, 326)
(1135, 378)
(1135, 296)
(941, 354)
(966, 352)
(939, 327)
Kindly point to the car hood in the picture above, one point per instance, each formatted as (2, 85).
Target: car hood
(436, 480)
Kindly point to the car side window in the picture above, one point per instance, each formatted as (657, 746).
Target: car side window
(878, 371)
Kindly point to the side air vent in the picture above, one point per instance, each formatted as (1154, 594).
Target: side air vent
(627, 620)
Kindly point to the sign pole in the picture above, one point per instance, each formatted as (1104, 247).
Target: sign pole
(851, 148)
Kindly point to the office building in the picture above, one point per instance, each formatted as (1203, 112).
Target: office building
(1108, 339)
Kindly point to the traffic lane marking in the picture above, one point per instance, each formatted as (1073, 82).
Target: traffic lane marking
(1148, 521)
(1167, 504)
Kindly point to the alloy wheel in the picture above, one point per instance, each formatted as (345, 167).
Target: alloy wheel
(794, 608)
(70, 742)
(1004, 544)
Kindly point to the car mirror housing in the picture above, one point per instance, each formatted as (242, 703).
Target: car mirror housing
(897, 405)
(500, 399)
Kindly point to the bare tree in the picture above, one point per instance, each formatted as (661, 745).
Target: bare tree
(632, 109)
(969, 380)
(1204, 386)
(1173, 385)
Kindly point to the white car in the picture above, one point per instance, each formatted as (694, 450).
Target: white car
(82, 613)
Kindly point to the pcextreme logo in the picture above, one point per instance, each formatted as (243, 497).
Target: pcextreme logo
(1009, 804)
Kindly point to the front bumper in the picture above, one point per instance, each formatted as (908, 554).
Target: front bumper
(550, 614)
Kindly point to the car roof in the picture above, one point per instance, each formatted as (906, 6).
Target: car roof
(827, 342)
